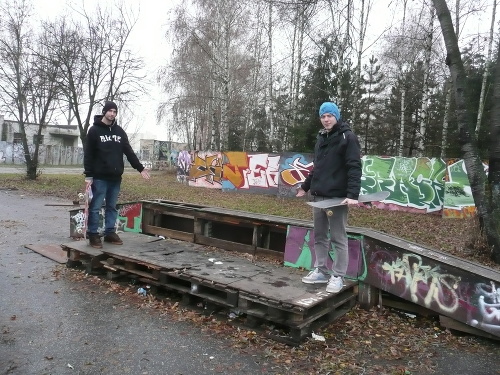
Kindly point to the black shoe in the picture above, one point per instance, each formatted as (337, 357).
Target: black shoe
(113, 238)
(95, 241)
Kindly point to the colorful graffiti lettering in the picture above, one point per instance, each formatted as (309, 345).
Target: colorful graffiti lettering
(425, 284)
(250, 172)
(235, 163)
(458, 200)
(412, 182)
(295, 169)
(263, 171)
(489, 308)
(420, 184)
(206, 170)
(130, 217)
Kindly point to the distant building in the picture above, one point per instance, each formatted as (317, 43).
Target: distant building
(52, 135)
(160, 153)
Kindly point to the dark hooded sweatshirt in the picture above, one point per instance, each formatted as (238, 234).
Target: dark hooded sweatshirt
(104, 150)
(337, 164)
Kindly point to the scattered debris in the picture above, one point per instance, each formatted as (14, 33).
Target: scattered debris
(318, 337)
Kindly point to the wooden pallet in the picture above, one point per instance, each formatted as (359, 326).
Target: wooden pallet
(264, 293)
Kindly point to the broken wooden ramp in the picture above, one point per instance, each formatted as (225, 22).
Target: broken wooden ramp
(264, 293)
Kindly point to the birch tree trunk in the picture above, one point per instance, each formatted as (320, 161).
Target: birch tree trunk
(403, 93)
(225, 86)
(475, 172)
(446, 117)
(256, 72)
(486, 69)
(402, 123)
(270, 98)
(343, 47)
(364, 13)
(425, 88)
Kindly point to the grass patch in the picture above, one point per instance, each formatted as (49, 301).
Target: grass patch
(453, 236)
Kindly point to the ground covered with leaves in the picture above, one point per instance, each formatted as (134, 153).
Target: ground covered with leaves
(378, 341)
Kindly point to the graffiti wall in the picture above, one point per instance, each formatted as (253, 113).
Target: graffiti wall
(293, 170)
(467, 293)
(299, 245)
(465, 296)
(206, 170)
(414, 184)
(420, 184)
(129, 219)
(458, 201)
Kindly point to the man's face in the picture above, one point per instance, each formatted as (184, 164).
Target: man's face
(110, 115)
(328, 121)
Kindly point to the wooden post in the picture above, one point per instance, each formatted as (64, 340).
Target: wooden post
(367, 295)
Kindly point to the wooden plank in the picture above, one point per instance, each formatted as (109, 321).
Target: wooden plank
(161, 202)
(401, 304)
(450, 323)
(275, 220)
(224, 244)
(51, 251)
(154, 275)
(81, 247)
(165, 232)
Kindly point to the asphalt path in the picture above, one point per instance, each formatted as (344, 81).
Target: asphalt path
(70, 169)
(49, 325)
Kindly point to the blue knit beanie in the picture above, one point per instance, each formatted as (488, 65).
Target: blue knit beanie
(329, 107)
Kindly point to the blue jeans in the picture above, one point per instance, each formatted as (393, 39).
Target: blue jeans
(101, 190)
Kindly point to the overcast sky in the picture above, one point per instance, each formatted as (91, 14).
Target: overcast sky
(147, 40)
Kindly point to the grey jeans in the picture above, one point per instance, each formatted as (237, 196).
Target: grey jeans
(336, 226)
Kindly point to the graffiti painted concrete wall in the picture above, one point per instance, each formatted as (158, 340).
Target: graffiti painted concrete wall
(299, 245)
(129, 219)
(422, 185)
(464, 291)
(458, 201)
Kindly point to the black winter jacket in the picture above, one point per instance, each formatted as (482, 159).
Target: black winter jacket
(337, 164)
(104, 150)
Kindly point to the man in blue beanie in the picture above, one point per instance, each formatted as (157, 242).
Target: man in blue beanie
(336, 173)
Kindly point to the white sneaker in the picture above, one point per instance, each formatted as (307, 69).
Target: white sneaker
(335, 284)
(315, 277)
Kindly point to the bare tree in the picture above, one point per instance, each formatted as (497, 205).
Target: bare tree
(96, 64)
(486, 69)
(28, 84)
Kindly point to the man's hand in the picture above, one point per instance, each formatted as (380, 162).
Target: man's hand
(88, 181)
(300, 192)
(145, 174)
(350, 201)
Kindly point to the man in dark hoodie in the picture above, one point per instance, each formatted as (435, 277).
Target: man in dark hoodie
(336, 174)
(103, 162)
